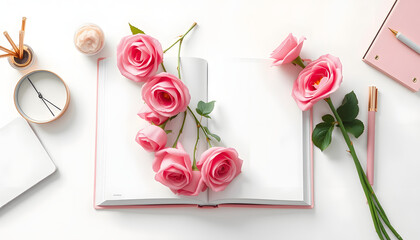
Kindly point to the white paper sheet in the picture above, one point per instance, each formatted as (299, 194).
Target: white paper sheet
(23, 160)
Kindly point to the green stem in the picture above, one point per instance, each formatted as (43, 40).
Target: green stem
(362, 175)
(381, 226)
(179, 60)
(378, 205)
(198, 124)
(163, 66)
(375, 218)
(181, 38)
(386, 221)
(194, 165)
(180, 130)
(299, 61)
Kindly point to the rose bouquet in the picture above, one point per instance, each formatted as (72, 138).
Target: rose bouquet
(166, 97)
(315, 82)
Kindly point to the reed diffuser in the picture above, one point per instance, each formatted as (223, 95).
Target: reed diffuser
(20, 56)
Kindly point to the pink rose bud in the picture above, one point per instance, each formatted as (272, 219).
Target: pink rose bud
(173, 167)
(139, 57)
(147, 114)
(288, 50)
(195, 187)
(151, 138)
(317, 81)
(166, 95)
(219, 166)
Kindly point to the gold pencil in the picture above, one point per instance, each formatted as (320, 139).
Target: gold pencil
(6, 55)
(23, 23)
(7, 51)
(21, 35)
(11, 42)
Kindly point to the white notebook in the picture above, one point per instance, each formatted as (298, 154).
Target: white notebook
(23, 160)
(254, 113)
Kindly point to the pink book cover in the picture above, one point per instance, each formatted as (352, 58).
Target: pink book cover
(392, 57)
(199, 206)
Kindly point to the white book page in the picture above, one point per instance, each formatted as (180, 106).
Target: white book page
(124, 169)
(256, 114)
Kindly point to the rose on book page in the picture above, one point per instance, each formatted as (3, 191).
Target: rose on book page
(166, 97)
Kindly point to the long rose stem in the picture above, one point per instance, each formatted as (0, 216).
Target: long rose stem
(163, 67)
(194, 165)
(363, 179)
(198, 124)
(179, 60)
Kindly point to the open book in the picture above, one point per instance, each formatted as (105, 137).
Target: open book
(254, 113)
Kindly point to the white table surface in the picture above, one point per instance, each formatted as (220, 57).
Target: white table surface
(61, 206)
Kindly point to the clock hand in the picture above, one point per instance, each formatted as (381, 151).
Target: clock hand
(51, 103)
(33, 86)
(40, 96)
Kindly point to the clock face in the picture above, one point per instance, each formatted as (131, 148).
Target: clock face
(41, 96)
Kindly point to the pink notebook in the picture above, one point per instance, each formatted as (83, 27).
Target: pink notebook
(278, 157)
(390, 56)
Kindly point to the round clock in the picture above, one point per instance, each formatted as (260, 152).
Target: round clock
(41, 96)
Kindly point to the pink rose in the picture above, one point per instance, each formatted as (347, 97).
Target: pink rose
(317, 81)
(288, 50)
(173, 167)
(151, 138)
(195, 186)
(147, 114)
(139, 57)
(219, 166)
(166, 95)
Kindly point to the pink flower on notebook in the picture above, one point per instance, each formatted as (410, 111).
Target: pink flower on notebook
(173, 167)
(317, 81)
(288, 50)
(147, 114)
(219, 166)
(166, 95)
(139, 57)
(151, 138)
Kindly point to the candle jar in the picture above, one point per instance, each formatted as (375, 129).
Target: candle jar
(26, 61)
(89, 39)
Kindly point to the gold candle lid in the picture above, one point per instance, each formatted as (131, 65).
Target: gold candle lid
(373, 99)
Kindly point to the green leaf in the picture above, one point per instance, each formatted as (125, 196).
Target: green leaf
(135, 30)
(349, 108)
(206, 116)
(168, 131)
(199, 111)
(354, 127)
(328, 118)
(212, 134)
(321, 136)
(205, 108)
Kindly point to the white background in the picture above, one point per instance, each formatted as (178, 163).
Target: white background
(61, 207)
